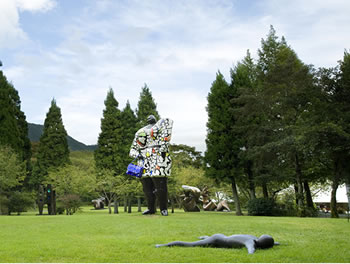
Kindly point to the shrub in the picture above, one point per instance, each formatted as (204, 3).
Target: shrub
(307, 212)
(262, 206)
(70, 202)
(19, 201)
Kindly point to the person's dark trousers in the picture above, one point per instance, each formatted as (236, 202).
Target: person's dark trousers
(148, 190)
(161, 190)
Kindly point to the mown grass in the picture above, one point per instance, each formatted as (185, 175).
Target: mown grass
(96, 236)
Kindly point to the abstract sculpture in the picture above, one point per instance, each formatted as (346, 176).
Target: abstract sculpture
(151, 148)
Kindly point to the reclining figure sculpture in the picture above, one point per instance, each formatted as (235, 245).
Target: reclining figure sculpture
(221, 241)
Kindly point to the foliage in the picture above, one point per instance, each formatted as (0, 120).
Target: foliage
(129, 125)
(70, 202)
(13, 124)
(19, 202)
(146, 106)
(71, 179)
(262, 207)
(12, 170)
(109, 154)
(223, 146)
(53, 149)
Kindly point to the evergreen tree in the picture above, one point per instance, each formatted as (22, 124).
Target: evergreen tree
(221, 156)
(287, 91)
(109, 154)
(13, 124)
(53, 149)
(129, 126)
(146, 106)
(332, 129)
(243, 79)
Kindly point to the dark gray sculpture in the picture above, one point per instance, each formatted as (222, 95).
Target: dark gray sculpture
(221, 241)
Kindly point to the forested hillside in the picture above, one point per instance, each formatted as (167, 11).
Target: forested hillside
(35, 131)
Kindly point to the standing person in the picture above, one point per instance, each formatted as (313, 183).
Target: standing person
(151, 148)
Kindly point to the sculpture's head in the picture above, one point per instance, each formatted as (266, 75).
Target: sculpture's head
(265, 241)
(151, 120)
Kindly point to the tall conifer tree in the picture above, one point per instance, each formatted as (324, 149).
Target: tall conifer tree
(146, 106)
(53, 149)
(222, 148)
(109, 154)
(129, 125)
(13, 124)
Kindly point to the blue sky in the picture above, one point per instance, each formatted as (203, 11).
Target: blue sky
(74, 51)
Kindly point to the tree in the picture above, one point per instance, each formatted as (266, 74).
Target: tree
(129, 127)
(13, 124)
(146, 106)
(12, 172)
(332, 134)
(109, 153)
(244, 80)
(221, 156)
(53, 149)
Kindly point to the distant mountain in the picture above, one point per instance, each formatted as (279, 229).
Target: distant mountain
(35, 131)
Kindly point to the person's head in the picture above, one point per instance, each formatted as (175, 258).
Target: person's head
(265, 241)
(151, 120)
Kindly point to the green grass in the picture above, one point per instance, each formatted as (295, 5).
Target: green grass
(96, 236)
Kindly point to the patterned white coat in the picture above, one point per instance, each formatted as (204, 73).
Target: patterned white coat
(151, 147)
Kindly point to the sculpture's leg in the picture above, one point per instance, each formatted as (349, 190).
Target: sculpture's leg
(162, 193)
(148, 188)
(209, 241)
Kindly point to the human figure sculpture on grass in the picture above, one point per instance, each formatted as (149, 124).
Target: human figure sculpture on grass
(221, 241)
(151, 148)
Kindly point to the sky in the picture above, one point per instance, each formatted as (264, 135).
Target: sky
(75, 51)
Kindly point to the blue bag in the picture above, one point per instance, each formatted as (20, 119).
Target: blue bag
(134, 170)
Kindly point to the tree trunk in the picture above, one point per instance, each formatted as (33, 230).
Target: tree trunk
(235, 197)
(298, 172)
(309, 202)
(348, 195)
(250, 180)
(125, 204)
(296, 191)
(109, 208)
(172, 205)
(116, 205)
(129, 204)
(139, 204)
(264, 189)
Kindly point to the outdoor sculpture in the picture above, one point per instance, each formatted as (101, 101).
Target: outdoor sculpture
(221, 241)
(193, 196)
(151, 148)
(99, 203)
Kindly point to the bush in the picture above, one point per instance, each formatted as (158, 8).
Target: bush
(307, 212)
(70, 202)
(19, 201)
(262, 206)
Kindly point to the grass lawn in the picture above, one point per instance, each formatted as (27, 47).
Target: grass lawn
(96, 236)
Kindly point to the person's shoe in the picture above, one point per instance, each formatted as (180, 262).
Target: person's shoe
(164, 212)
(147, 212)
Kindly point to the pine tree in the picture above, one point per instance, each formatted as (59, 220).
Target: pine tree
(146, 106)
(129, 126)
(53, 149)
(285, 93)
(109, 154)
(13, 124)
(222, 148)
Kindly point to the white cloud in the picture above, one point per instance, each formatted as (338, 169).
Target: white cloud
(11, 33)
